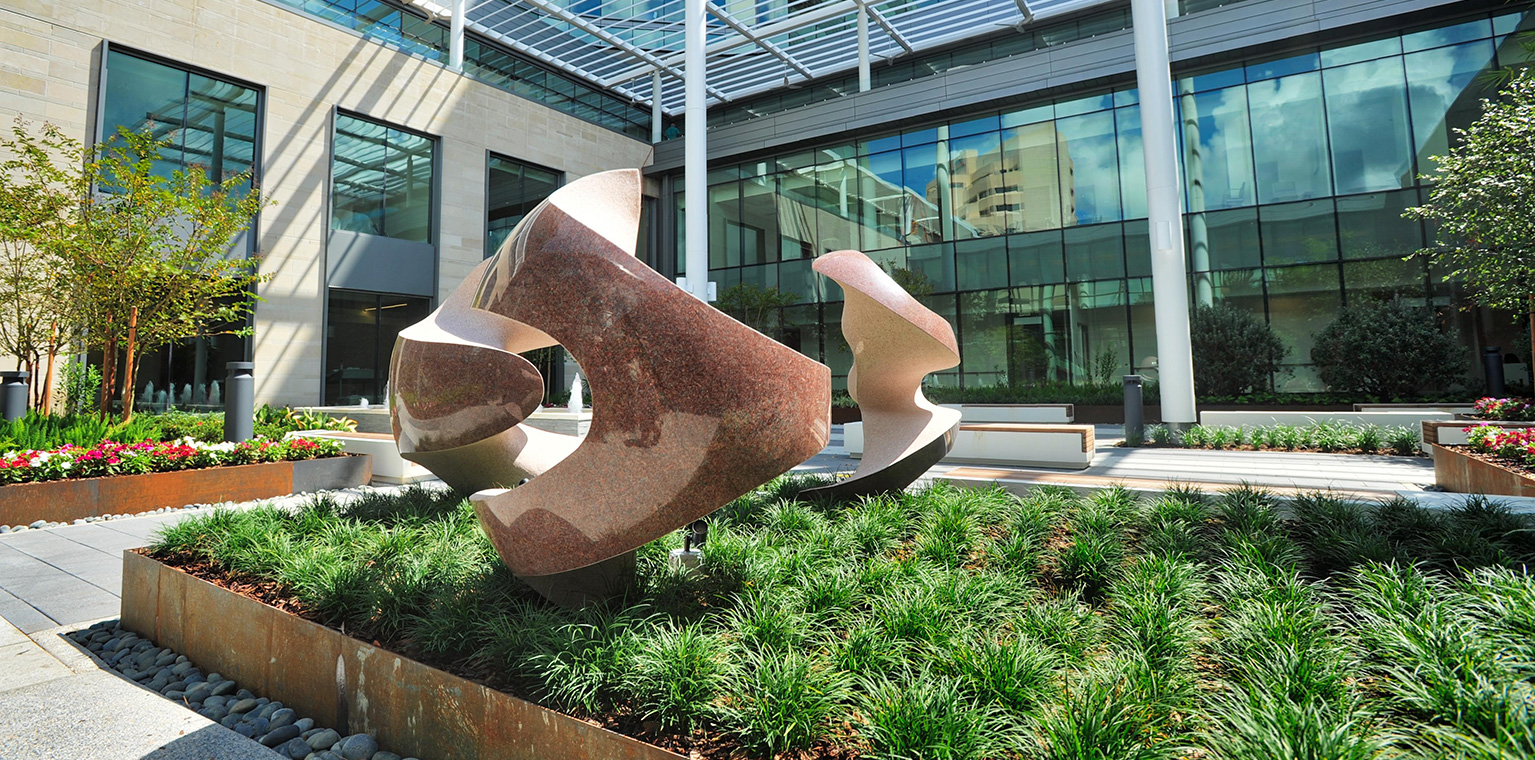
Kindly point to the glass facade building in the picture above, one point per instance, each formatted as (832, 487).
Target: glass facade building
(206, 123)
(381, 180)
(1026, 228)
(512, 189)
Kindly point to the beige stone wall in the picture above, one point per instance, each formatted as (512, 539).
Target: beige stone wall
(308, 68)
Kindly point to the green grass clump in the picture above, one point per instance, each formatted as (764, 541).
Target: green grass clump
(1326, 437)
(957, 623)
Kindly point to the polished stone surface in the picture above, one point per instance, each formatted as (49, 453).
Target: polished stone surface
(692, 408)
(896, 341)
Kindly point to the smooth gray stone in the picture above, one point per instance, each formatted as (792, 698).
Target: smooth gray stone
(222, 688)
(198, 691)
(245, 730)
(382, 755)
(230, 720)
(358, 747)
(216, 701)
(180, 686)
(296, 748)
(280, 735)
(243, 706)
(304, 724)
(181, 668)
(38, 524)
(144, 659)
(195, 677)
(258, 724)
(213, 712)
(215, 677)
(175, 694)
(325, 738)
(245, 694)
(166, 658)
(284, 717)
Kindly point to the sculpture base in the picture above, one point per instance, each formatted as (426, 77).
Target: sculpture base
(593, 584)
(892, 479)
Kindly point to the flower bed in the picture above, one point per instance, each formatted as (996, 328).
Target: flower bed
(74, 483)
(1505, 409)
(946, 623)
(110, 458)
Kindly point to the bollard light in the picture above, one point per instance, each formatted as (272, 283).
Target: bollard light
(239, 402)
(1135, 411)
(13, 395)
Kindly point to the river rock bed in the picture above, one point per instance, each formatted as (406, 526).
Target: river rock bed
(222, 700)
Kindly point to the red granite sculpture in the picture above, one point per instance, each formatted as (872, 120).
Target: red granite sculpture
(691, 408)
(896, 341)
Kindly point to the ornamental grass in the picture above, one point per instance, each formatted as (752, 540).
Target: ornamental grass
(961, 624)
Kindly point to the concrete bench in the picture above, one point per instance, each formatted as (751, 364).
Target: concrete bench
(1048, 413)
(1017, 444)
(1258, 417)
(1452, 408)
(388, 465)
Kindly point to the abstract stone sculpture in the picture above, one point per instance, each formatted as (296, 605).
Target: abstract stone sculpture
(896, 341)
(691, 408)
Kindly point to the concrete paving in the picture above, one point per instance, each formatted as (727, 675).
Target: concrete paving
(1146, 469)
(57, 702)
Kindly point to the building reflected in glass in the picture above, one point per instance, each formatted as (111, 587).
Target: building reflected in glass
(1026, 228)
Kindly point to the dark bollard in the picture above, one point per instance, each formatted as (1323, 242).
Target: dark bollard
(239, 402)
(13, 395)
(1135, 412)
(1492, 364)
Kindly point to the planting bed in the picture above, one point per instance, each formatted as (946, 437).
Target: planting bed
(958, 624)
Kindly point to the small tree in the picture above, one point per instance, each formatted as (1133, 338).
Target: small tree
(1483, 203)
(36, 312)
(756, 307)
(1388, 350)
(1234, 351)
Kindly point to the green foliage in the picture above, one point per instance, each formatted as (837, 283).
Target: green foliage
(38, 432)
(1387, 349)
(756, 307)
(1329, 437)
(1482, 202)
(955, 623)
(1235, 352)
(81, 383)
(1109, 394)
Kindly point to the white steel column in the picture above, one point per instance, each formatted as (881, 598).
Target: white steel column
(696, 151)
(1169, 272)
(655, 106)
(865, 80)
(456, 36)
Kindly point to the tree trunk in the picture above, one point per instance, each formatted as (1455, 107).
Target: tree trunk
(129, 360)
(46, 407)
(108, 373)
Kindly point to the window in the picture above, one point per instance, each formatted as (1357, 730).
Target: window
(513, 189)
(210, 123)
(359, 339)
(381, 180)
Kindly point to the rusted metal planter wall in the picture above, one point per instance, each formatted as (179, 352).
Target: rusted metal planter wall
(66, 500)
(351, 686)
(1458, 473)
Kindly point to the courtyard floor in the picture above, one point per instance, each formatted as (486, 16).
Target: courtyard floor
(62, 579)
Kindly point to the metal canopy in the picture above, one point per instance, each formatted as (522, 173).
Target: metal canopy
(753, 45)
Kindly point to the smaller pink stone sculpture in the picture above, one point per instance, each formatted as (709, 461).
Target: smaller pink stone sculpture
(896, 341)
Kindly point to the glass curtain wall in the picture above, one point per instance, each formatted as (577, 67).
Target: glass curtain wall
(207, 124)
(1029, 224)
(360, 331)
(381, 180)
(512, 189)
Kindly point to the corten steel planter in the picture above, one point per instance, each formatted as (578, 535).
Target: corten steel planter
(349, 685)
(1459, 473)
(66, 500)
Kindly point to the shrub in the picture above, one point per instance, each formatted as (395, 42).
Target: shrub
(1234, 351)
(1387, 349)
